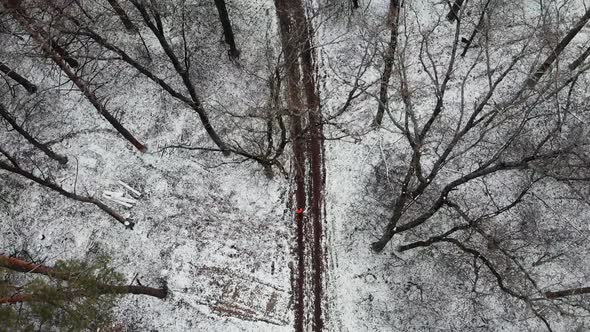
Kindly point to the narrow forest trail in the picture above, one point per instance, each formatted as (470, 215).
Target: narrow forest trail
(308, 149)
(316, 196)
(309, 203)
(306, 132)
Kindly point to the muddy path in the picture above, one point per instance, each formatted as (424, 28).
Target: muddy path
(308, 195)
(306, 133)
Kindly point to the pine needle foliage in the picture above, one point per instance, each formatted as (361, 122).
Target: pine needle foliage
(77, 301)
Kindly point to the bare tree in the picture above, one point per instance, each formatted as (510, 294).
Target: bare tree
(60, 59)
(544, 67)
(266, 148)
(445, 180)
(389, 58)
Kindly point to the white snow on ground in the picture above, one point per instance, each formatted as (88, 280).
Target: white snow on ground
(218, 231)
(421, 290)
(215, 230)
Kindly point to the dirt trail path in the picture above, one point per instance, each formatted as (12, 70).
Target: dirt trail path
(309, 202)
(307, 142)
(316, 196)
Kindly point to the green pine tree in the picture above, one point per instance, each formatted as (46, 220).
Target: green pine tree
(78, 300)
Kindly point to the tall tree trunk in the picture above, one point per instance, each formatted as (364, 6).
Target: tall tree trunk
(477, 28)
(30, 87)
(37, 35)
(122, 16)
(567, 292)
(63, 53)
(228, 32)
(454, 12)
(19, 265)
(579, 59)
(544, 67)
(393, 22)
(4, 114)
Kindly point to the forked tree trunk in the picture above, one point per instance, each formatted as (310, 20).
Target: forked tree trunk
(228, 32)
(6, 116)
(182, 70)
(393, 22)
(19, 265)
(30, 87)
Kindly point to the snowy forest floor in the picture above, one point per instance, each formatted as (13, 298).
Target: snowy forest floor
(220, 233)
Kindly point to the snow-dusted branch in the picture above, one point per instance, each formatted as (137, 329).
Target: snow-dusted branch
(49, 184)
